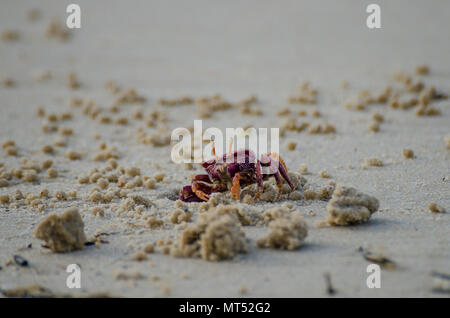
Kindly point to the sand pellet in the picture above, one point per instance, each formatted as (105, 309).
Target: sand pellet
(12, 151)
(66, 131)
(105, 119)
(30, 175)
(18, 173)
(73, 155)
(178, 216)
(96, 197)
(325, 192)
(122, 121)
(133, 171)
(378, 117)
(46, 164)
(139, 199)
(316, 113)
(10, 35)
(52, 173)
(44, 193)
(3, 183)
(284, 112)
(373, 162)
(95, 177)
(149, 248)
(17, 195)
(66, 116)
(57, 30)
(4, 198)
(52, 118)
(60, 142)
(159, 177)
(8, 143)
(97, 211)
(102, 183)
(72, 81)
(303, 169)
(309, 194)
(435, 208)
(60, 195)
(8, 82)
(291, 145)
(6, 175)
(422, 70)
(48, 149)
(447, 142)
(408, 153)
(83, 179)
(374, 127)
(324, 174)
(112, 163)
(153, 222)
(149, 184)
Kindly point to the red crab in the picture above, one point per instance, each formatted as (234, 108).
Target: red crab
(235, 170)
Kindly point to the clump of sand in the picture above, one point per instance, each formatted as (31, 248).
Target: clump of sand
(216, 199)
(275, 213)
(268, 194)
(270, 190)
(349, 206)
(288, 230)
(62, 233)
(235, 210)
(178, 216)
(216, 235)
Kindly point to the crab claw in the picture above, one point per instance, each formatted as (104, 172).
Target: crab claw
(187, 195)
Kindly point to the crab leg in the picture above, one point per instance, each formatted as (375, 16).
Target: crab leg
(203, 178)
(236, 188)
(187, 195)
(282, 168)
(214, 151)
(200, 186)
(199, 190)
(279, 184)
(259, 180)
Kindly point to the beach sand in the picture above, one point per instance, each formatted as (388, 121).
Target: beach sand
(236, 49)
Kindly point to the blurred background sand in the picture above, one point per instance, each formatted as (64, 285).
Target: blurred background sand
(239, 48)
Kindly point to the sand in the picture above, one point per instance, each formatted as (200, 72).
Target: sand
(238, 49)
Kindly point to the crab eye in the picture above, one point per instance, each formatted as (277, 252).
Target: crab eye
(208, 163)
(265, 159)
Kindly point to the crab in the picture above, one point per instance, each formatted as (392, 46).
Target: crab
(236, 170)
